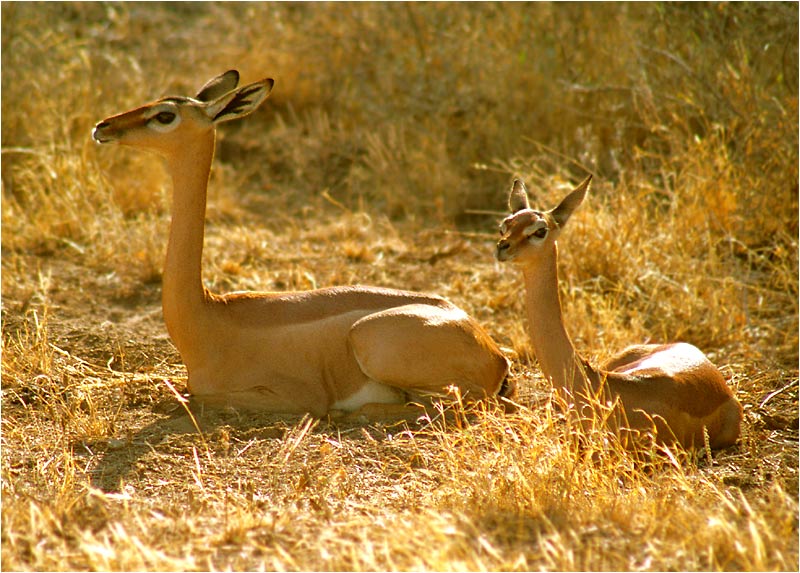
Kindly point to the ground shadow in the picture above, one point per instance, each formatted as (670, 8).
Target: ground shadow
(120, 458)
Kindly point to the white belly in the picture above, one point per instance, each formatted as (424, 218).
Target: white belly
(370, 393)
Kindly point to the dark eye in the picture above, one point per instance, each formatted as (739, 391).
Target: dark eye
(540, 233)
(165, 117)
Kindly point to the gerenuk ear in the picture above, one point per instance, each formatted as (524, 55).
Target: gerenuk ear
(518, 197)
(571, 202)
(240, 102)
(218, 86)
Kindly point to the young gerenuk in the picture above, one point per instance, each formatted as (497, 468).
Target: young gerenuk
(670, 388)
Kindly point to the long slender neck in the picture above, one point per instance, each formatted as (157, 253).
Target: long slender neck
(183, 296)
(551, 343)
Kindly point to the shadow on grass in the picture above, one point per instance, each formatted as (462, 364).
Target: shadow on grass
(213, 429)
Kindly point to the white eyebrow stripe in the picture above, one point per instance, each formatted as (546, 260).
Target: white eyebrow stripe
(533, 227)
(158, 108)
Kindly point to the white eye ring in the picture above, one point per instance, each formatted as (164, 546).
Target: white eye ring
(164, 120)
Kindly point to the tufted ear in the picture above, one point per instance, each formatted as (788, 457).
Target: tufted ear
(518, 197)
(571, 202)
(240, 102)
(218, 86)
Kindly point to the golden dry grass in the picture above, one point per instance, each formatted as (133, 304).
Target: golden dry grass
(392, 130)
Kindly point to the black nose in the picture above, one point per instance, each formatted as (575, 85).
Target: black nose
(99, 133)
(503, 247)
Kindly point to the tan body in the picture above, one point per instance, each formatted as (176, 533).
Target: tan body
(673, 388)
(338, 348)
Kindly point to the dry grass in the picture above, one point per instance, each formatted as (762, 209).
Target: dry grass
(392, 129)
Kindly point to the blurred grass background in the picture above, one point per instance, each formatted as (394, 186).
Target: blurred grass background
(415, 108)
